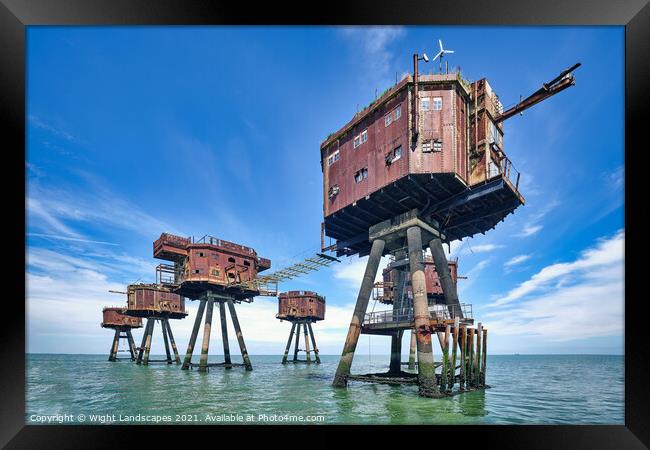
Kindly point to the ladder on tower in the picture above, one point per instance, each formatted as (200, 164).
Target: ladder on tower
(267, 285)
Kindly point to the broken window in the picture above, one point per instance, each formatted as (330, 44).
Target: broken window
(437, 103)
(232, 260)
(334, 190)
(201, 255)
(424, 104)
(361, 175)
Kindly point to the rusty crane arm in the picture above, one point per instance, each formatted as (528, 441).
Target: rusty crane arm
(561, 82)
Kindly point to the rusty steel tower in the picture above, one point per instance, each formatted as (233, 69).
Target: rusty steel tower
(424, 164)
(115, 319)
(157, 304)
(301, 308)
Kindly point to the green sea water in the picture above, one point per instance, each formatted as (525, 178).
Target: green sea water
(525, 389)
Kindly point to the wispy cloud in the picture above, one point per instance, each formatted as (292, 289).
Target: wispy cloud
(67, 238)
(39, 123)
(517, 260)
(533, 225)
(607, 254)
(374, 46)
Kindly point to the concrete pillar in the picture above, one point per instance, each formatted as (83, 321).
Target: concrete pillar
(172, 341)
(112, 356)
(207, 328)
(442, 269)
(147, 344)
(313, 342)
(396, 352)
(165, 338)
(144, 340)
(286, 349)
(411, 365)
(427, 386)
(195, 332)
(307, 349)
(345, 363)
(295, 350)
(240, 336)
(224, 335)
(129, 336)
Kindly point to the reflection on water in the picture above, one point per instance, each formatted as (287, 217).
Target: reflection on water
(525, 389)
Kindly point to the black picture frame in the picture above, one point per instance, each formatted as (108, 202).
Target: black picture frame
(16, 15)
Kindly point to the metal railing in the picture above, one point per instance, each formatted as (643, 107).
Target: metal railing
(439, 312)
(506, 169)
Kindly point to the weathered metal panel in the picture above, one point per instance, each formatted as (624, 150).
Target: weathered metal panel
(113, 317)
(301, 304)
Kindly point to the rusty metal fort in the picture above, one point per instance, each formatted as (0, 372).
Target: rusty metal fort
(422, 165)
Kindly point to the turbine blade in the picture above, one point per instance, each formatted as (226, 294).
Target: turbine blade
(440, 42)
(434, 58)
(449, 51)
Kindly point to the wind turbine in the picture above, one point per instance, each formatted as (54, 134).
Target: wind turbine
(441, 53)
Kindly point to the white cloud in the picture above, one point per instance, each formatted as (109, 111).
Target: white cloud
(532, 226)
(516, 260)
(529, 230)
(606, 255)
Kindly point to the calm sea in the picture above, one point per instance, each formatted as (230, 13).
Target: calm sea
(526, 389)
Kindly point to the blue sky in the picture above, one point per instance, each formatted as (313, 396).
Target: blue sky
(133, 131)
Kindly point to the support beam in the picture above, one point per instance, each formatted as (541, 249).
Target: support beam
(444, 275)
(115, 346)
(454, 343)
(463, 357)
(144, 340)
(483, 371)
(396, 352)
(307, 349)
(444, 374)
(470, 354)
(207, 328)
(295, 350)
(147, 345)
(224, 335)
(193, 336)
(240, 336)
(313, 342)
(129, 336)
(411, 365)
(165, 338)
(477, 355)
(286, 349)
(427, 386)
(172, 341)
(345, 363)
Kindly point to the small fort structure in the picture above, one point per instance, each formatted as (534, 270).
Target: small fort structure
(113, 317)
(301, 308)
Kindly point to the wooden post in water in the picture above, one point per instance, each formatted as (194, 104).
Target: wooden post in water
(484, 357)
(286, 350)
(453, 353)
(463, 357)
(477, 355)
(470, 364)
(444, 374)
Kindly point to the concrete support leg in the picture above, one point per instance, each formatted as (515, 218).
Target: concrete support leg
(240, 336)
(147, 344)
(129, 336)
(144, 340)
(224, 335)
(207, 328)
(396, 353)
(166, 339)
(166, 324)
(195, 332)
(115, 346)
(484, 365)
(295, 350)
(307, 349)
(286, 349)
(446, 282)
(427, 386)
(313, 342)
(345, 363)
(411, 365)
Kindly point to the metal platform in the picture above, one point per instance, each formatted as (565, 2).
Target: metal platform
(390, 321)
